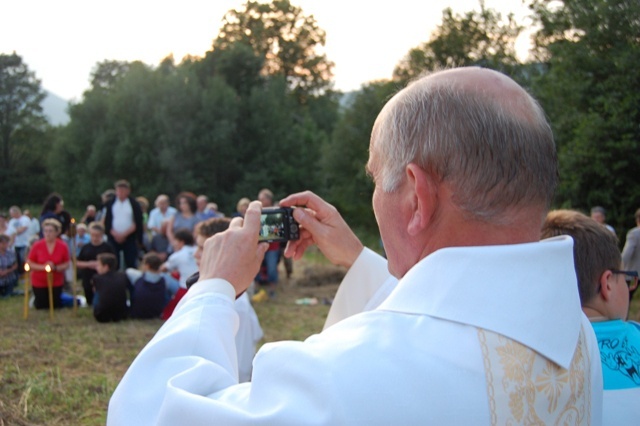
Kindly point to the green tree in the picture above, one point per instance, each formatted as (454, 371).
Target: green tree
(278, 142)
(107, 73)
(286, 39)
(590, 89)
(473, 38)
(237, 63)
(23, 132)
(344, 157)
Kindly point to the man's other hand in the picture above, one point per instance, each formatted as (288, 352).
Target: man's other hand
(322, 225)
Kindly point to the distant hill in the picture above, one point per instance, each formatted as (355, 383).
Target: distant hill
(55, 108)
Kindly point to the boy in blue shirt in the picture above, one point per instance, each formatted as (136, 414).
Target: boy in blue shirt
(604, 296)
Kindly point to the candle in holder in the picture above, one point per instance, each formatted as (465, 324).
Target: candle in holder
(27, 275)
(72, 238)
(50, 287)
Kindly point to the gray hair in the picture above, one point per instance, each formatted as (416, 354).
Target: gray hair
(495, 155)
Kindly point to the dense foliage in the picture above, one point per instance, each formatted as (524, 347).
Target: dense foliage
(481, 38)
(258, 111)
(24, 141)
(590, 89)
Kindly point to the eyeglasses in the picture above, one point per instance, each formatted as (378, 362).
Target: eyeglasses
(631, 277)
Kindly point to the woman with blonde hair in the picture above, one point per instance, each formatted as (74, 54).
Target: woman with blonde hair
(53, 252)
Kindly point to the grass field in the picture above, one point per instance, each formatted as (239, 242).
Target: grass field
(63, 372)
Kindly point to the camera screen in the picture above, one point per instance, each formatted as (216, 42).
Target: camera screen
(272, 227)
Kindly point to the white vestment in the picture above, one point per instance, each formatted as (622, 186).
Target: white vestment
(470, 335)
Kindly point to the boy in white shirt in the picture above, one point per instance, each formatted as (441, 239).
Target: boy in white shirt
(182, 260)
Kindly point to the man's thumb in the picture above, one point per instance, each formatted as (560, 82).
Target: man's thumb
(307, 220)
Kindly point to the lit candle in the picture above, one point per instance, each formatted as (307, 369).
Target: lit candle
(50, 287)
(27, 275)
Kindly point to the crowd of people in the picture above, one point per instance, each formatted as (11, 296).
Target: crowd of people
(132, 263)
(121, 225)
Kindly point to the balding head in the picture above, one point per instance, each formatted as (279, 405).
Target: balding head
(478, 131)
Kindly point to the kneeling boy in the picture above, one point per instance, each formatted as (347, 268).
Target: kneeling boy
(110, 286)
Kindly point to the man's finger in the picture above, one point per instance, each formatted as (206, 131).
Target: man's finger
(252, 218)
(308, 221)
(310, 200)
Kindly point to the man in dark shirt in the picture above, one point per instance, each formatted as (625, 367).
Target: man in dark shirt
(87, 258)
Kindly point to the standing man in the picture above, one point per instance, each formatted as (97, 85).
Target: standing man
(123, 224)
(268, 279)
(631, 250)
(483, 327)
(599, 214)
(18, 230)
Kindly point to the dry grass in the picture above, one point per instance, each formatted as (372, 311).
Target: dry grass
(63, 372)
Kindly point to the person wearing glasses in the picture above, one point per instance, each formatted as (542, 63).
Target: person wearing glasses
(604, 294)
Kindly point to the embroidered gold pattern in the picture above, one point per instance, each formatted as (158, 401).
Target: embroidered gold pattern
(523, 387)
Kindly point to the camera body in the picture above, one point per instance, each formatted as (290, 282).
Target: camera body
(277, 224)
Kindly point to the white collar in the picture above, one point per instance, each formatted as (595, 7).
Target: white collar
(526, 292)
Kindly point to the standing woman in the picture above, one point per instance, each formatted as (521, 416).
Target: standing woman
(53, 208)
(185, 217)
(51, 251)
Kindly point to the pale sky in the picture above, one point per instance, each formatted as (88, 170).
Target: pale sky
(62, 40)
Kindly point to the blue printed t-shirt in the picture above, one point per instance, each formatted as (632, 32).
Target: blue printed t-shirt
(619, 344)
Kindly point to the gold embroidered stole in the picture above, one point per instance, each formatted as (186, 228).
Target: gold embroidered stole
(525, 388)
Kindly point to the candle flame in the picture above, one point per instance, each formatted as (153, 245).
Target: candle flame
(47, 268)
(73, 220)
(26, 267)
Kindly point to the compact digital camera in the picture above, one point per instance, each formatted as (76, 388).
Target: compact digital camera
(278, 224)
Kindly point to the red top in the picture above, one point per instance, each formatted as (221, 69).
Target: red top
(40, 254)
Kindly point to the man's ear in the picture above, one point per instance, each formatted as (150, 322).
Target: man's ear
(424, 194)
(606, 285)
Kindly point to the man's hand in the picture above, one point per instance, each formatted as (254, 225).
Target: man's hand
(235, 255)
(118, 237)
(321, 224)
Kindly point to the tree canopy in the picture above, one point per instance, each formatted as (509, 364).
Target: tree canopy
(474, 38)
(590, 89)
(288, 41)
(22, 132)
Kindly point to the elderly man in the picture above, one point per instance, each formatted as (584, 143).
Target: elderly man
(484, 325)
(599, 214)
(604, 294)
(162, 212)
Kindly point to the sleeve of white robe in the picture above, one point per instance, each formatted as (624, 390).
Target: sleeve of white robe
(367, 283)
(187, 374)
(248, 335)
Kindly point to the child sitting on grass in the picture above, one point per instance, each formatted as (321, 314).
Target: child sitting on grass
(110, 287)
(149, 295)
